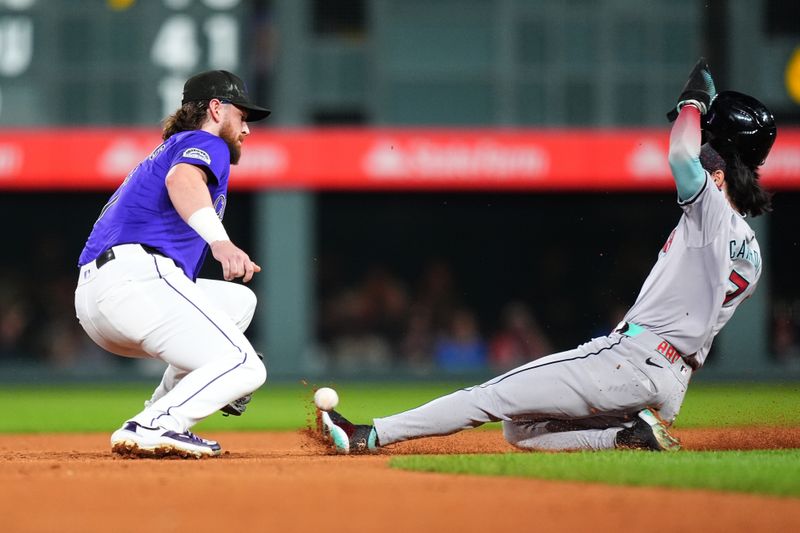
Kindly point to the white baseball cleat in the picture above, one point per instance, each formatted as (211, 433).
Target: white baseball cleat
(334, 434)
(136, 440)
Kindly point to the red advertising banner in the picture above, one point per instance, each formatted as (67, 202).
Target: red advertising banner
(381, 159)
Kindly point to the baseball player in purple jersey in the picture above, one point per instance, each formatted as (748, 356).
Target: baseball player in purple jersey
(138, 294)
(625, 389)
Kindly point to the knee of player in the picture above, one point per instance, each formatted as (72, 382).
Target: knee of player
(525, 435)
(511, 432)
(257, 371)
(248, 306)
(250, 299)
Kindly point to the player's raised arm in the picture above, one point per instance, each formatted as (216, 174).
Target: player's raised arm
(686, 136)
(188, 191)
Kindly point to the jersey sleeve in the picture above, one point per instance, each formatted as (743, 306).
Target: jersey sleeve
(704, 204)
(684, 153)
(203, 150)
(705, 212)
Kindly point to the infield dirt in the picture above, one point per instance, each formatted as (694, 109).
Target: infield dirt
(287, 482)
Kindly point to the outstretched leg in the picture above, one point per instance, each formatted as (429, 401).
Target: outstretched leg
(597, 378)
(606, 378)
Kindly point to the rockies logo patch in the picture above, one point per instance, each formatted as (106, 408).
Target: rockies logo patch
(219, 205)
(197, 153)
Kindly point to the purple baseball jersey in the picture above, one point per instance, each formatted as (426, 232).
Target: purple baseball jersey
(140, 210)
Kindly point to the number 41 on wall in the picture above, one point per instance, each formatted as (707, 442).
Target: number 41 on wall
(178, 46)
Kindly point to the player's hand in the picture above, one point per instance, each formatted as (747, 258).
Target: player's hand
(235, 263)
(699, 90)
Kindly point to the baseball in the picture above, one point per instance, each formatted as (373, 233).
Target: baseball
(326, 398)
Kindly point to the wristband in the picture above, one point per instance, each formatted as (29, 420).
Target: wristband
(208, 225)
(699, 105)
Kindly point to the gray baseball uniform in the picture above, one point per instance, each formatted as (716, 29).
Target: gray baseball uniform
(581, 398)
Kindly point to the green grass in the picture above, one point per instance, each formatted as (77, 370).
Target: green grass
(741, 404)
(775, 472)
(86, 408)
(285, 406)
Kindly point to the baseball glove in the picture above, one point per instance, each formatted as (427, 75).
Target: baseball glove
(699, 90)
(237, 407)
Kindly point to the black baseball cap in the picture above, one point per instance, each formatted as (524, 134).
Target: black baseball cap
(222, 85)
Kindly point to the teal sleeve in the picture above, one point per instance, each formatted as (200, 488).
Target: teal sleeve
(689, 177)
(684, 153)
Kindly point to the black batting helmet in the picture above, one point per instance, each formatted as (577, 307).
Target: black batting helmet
(740, 122)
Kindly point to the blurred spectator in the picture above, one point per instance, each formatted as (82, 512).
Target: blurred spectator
(520, 340)
(384, 304)
(364, 352)
(461, 348)
(61, 340)
(354, 346)
(436, 292)
(16, 317)
(416, 347)
(14, 320)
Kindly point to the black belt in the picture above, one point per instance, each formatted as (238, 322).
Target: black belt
(108, 255)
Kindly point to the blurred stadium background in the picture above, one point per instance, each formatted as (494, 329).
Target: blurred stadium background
(446, 188)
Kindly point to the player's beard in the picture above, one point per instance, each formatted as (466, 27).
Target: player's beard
(232, 139)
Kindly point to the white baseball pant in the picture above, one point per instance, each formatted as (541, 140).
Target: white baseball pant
(143, 305)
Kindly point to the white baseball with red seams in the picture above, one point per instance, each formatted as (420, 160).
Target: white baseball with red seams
(326, 398)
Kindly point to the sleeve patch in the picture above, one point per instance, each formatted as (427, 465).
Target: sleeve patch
(197, 153)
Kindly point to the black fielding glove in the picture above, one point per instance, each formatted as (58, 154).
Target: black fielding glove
(699, 89)
(237, 407)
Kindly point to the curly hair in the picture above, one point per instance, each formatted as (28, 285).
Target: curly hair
(190, 116)
(743, 186)
(744, 189)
